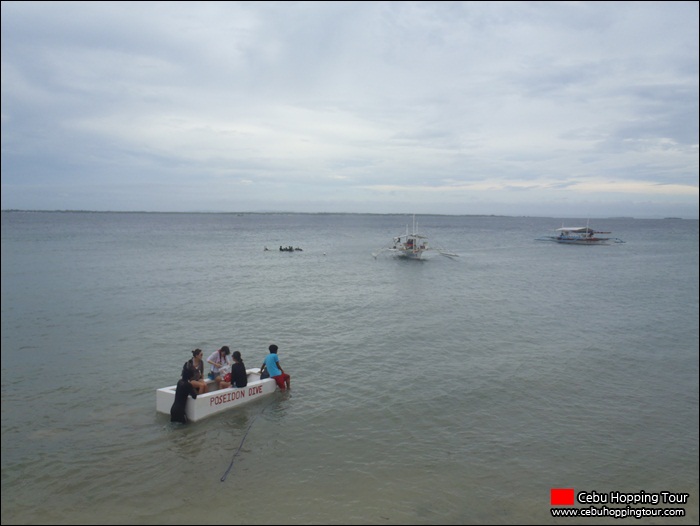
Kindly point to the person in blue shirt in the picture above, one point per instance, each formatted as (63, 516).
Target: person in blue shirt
(272, 365)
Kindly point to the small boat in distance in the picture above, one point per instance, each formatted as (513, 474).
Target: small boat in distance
(580, 235)
(413, 245)
(285, 249)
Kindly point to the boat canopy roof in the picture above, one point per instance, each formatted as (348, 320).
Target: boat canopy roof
(578, 229)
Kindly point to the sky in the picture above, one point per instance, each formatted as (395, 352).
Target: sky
(552, 109)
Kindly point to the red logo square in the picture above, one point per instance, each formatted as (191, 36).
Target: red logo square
(561, 496)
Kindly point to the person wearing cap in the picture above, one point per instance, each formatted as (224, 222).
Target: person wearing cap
(218, 361)
(272, 364)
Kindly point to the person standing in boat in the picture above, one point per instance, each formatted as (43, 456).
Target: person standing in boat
(272, 365)
(219, 360)
(196, 363)
(182, 391)
(239, 376)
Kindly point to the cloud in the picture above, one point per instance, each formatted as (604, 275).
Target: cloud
(350, 106)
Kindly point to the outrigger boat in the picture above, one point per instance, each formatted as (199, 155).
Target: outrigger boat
(413, 245)
(580, 235)
(217, 400)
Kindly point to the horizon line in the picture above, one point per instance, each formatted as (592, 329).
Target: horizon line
(269, 212)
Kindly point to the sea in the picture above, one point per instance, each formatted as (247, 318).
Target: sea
(449, 391)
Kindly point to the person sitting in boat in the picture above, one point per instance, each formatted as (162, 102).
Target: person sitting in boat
(182, 391)
(273, 367)
(239, 376)
(218, 361)
(196, 363)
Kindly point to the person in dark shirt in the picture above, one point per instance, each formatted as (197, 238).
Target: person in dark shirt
(182, 391)
(239, 376)
(196, 363)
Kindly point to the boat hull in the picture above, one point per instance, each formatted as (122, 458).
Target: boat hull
(410, 254)
(217, 400)
(588, 241)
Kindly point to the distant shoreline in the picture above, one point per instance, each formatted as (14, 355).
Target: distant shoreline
(272, 212)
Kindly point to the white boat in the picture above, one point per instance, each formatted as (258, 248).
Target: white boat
(580, 235)
(217, 400)
(413, 245)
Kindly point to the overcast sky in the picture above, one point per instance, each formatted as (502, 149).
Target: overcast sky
(559, 109)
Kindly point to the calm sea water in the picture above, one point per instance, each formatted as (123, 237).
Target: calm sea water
(440, 392)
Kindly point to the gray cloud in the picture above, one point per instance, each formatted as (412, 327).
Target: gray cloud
(375, 107)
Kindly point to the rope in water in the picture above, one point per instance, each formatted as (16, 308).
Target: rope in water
(241, 444)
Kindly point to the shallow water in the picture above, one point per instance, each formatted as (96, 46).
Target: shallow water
(438, 392)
